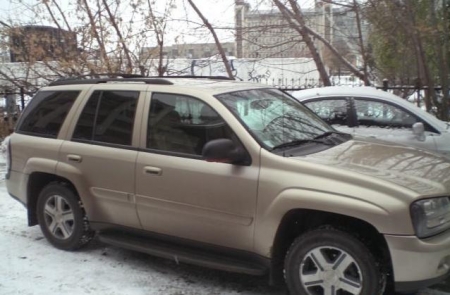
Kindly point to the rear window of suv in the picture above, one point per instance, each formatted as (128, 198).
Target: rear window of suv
(46, 113)
(107, 118)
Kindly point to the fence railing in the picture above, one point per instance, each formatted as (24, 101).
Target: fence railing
(22, 96)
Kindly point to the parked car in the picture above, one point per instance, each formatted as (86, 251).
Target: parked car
(230, 175)
(370, 112)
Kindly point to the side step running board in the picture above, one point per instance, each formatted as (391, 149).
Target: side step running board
(181, 253)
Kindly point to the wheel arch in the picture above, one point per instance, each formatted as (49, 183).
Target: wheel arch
(36, 182)
(298, 221)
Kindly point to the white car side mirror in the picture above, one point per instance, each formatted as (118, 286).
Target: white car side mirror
(418, 130)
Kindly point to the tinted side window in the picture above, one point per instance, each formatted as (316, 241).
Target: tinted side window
(332, 111)
(46, 113)
(183, 124)
(108, 117)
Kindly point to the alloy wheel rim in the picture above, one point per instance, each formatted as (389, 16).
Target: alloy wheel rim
(330, 271)
(59, 217)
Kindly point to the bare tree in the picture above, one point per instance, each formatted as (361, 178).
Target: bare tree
(296, 20)
(441, 49)
(159, 26)
(418, 29)
(113, 21)
(107, 39)
(319, 43)
(216, 39)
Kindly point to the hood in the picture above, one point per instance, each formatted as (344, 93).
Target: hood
(425, 173)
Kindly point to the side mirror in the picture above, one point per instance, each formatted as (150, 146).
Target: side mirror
(223, 150)
(418, 130)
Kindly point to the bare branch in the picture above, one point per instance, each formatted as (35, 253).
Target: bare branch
(216, 39)
(297, 22)
(62, 15)
(112, 19)
(94, 31)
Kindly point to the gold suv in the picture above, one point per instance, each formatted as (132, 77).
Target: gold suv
(235, 176)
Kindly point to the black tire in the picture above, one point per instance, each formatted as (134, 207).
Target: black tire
(61, 218)
(332, 260)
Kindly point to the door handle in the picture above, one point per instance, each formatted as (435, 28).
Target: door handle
(152, 170)
(74, 158)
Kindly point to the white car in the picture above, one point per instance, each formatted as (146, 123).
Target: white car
(375, 113)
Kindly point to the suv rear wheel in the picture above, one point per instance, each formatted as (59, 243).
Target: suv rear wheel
(62, 220)
(331, 262)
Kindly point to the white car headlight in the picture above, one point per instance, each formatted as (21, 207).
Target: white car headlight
(431, 216)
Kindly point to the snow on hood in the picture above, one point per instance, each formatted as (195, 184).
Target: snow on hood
(420, 171)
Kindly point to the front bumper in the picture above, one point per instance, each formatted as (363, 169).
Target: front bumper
(418, 263)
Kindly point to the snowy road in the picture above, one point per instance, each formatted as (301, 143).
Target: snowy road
(29, 265)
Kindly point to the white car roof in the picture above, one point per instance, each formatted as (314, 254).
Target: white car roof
(369, 92)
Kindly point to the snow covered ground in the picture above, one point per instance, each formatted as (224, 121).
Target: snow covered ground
(30, 266)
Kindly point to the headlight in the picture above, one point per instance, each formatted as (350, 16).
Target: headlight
(431, 216)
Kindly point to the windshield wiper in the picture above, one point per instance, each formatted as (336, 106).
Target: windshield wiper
(328, 133)
(318, 139)
(300, 142)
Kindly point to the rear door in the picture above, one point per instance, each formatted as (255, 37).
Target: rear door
(101, 155)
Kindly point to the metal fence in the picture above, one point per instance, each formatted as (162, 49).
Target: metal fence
(15, 101)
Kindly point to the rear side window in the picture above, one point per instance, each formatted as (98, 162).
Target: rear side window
(46, 113)
(108, 117)
(370, 113)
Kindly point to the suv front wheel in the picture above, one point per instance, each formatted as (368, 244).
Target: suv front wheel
(62, 220)
(330, 262)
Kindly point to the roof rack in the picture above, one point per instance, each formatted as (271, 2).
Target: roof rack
(102, 75)
(160, 80)
(195, 77)
(106, 80)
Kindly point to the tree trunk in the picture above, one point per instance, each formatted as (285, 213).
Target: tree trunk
(441, 45)
(445, 65)
(361, 43)
(417, 39)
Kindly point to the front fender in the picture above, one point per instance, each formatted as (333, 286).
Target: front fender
(394, 219)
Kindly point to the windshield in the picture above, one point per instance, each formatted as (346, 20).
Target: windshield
(273, 117)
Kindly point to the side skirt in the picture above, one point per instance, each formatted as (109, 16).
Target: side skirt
(190, 252)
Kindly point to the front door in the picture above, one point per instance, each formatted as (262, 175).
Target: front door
(180, 194)
(386, 121)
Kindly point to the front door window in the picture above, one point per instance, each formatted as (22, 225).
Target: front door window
(182, 124)
(379, 114)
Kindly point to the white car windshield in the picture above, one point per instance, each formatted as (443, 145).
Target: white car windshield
(273, 117)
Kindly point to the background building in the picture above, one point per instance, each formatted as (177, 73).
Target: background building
(189, 51)
(267, 33)
(39, 43)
